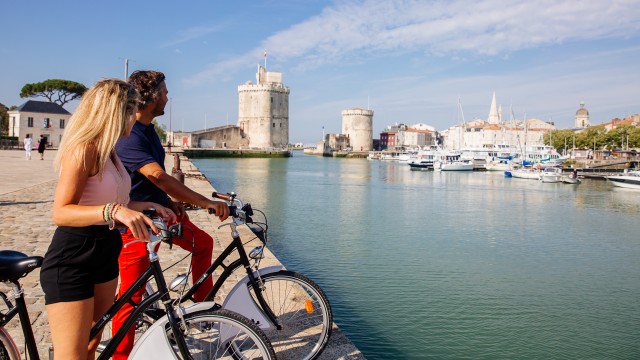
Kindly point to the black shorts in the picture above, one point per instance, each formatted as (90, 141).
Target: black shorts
(77, 259)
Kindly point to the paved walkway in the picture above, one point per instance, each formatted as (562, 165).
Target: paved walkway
(26, 199)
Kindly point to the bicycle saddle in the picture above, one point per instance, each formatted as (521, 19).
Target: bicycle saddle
(14, 264)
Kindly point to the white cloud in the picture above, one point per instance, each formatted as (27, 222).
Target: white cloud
(190, 34)
(353, 29)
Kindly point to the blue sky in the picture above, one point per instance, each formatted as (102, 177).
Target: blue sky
(409, 61)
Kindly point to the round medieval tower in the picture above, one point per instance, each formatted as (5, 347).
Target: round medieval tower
(357, 124)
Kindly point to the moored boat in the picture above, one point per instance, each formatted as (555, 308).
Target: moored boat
(526, 173)
(630, 180)
(551, 175)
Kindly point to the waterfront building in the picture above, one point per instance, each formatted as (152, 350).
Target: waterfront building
(357, 125)
(37, 118)
(407, 136)
(263, 110)
(494, 131)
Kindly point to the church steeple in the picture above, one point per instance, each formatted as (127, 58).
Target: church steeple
(494, 115)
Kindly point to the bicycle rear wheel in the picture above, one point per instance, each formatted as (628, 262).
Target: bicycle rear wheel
(302, 309)
(224, 334)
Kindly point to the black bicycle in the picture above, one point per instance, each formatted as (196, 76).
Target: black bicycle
(291, 309)
(202, 331)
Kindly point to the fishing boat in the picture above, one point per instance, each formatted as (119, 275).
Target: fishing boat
(551, 175)
(630, 180)
(571, 179)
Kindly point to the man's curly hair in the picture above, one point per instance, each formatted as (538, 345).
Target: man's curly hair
(147, 82)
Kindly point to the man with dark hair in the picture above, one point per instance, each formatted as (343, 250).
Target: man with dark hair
(143, 157)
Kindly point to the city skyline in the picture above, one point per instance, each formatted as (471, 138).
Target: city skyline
(408, 61)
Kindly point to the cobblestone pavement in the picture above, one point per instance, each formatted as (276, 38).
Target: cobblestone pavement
(26, 199)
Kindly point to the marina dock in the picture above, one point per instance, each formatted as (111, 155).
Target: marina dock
(26, 201)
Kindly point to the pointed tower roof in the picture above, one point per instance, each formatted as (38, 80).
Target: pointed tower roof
(494, 116)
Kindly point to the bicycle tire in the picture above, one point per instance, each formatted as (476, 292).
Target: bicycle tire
(302, 309)
(8, 350)
(203, 337)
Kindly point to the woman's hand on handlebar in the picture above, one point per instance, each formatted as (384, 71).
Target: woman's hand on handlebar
(137, 222)
(221, 209)
(166, 214)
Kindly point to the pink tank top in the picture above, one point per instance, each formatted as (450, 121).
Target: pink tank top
(112, 187)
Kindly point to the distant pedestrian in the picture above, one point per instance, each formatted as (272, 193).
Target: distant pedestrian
(41, 146)
(28, 142)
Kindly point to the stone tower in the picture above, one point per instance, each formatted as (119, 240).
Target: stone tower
(263, 110)
(357, 124)
(582, 116)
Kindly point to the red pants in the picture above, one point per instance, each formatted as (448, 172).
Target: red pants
(134, 260)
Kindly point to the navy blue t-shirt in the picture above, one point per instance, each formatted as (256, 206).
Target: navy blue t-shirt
(140, 148)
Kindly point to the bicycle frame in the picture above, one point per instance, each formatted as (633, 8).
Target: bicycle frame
(162, 293)
(154, 270)
(20, 309)
(243, 260)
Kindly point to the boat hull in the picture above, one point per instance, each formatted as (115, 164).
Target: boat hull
(525, 174)
(629, 182)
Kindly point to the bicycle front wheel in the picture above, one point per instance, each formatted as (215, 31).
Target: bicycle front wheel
(224, 334)
(303, 311)
(8, 349)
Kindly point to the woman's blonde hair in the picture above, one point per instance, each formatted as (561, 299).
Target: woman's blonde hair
(99, 121)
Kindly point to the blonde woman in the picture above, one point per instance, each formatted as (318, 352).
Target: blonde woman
(80, 270)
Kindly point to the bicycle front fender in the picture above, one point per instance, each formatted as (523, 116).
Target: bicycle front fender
(153, 344)
(240, 300)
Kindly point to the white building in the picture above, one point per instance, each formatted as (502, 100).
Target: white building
(493, 131)
(39, 118)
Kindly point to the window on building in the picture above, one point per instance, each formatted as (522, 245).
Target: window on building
(274, 124)
(272, 99)
(29, 122)
(46, 123)
(61, 123)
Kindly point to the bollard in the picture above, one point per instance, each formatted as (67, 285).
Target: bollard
(176, 172)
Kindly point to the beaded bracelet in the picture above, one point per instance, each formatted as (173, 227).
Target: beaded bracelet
(111, 210)
(105, 214)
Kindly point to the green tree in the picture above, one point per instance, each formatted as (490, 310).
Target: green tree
(4, 119)
(590, 136)
(560, 138)
(617, 138)
(161, 130)
(56, 90)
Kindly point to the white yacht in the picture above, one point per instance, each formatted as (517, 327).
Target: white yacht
(526, 173)
(551, 175)
(452, 161)
(629, 180)
(424, 158)
(542, 154)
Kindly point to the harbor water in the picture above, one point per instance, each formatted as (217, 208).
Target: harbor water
(454, 265)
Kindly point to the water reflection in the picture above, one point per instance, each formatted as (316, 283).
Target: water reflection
(454, 264)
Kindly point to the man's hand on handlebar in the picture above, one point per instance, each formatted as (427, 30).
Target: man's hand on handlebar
(221, 209)
(178, 209)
